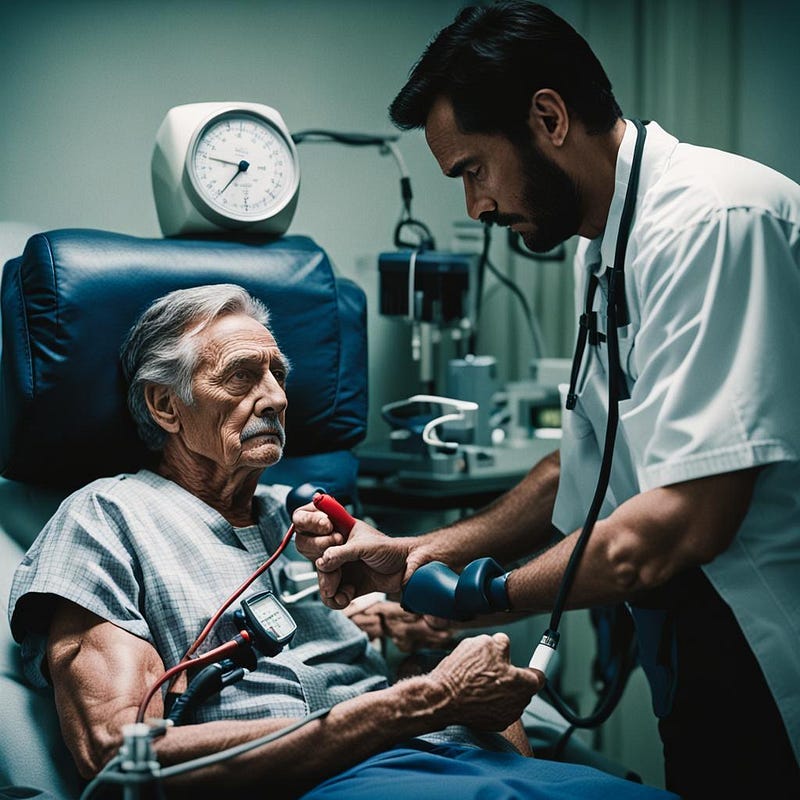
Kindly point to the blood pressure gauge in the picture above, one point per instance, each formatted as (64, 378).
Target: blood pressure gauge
(270, 623)
(220, 167)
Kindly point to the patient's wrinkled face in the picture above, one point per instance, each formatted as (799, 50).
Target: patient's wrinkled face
(239, 408)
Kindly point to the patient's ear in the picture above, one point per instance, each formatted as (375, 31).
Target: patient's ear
(161, 404)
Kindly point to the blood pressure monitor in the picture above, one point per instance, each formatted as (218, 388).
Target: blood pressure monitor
(221, 167)
(270, 623)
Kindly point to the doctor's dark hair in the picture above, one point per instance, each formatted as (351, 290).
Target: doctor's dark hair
(161, 348)
(491, 61)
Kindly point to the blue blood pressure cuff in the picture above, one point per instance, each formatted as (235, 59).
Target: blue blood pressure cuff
(436, 589)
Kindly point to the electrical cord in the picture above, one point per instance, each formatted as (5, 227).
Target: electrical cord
(237, 750)
(561, 745)
(387, 146)
(104, 776)
(109, 774)
(607, 700)
(481, 269)
(533, 326)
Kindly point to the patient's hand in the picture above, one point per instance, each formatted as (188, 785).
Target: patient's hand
(409, 632)
(484, 690)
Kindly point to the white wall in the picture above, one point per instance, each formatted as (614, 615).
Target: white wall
(87, 83)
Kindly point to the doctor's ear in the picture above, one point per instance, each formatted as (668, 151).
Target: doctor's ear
(161, 404)
(548, 116)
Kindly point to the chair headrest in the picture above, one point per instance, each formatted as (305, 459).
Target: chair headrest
(71, 297)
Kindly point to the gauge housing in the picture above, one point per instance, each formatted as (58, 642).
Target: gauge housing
(186, 207)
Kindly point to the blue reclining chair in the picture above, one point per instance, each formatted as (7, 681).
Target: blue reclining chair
(67, 303)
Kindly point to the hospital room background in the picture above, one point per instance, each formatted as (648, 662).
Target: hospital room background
(87, 83)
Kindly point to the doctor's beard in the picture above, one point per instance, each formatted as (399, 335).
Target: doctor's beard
(550, 198)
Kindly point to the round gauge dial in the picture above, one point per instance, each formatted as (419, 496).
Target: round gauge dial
(242, 166)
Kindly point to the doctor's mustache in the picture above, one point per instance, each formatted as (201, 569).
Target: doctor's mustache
(503, 220)
(261, 425)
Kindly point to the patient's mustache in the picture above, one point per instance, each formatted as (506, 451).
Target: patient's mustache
(262, 425)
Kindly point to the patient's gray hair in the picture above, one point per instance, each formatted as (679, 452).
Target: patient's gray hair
(160, 347)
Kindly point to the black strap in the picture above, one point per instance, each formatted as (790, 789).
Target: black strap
(616, 380)
(626, 219)
(617, 315)
(617, 307)
(587, 319)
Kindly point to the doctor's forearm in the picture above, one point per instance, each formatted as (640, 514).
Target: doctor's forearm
(646, 541)
(533, 587)
(513, 526)
(618, 561)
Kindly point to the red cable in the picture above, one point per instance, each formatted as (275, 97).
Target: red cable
(217, 654)
(213, 621)
(326, 503)
(215, 618)
(342, 521)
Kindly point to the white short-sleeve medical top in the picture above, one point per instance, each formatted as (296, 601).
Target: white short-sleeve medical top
(712, 361)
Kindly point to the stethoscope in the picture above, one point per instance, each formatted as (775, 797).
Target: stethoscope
(616, 317)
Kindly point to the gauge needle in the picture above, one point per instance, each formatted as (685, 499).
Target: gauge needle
(223, 160)
(243, 167)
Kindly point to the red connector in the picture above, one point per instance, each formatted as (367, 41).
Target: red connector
(342, 521)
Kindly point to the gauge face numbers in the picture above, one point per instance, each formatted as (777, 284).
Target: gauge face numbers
(269, 617)
(242, 167)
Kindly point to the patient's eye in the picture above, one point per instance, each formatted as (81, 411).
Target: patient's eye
(280, 374)
(240, 379)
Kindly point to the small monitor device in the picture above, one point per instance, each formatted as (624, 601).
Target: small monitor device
(268, 620)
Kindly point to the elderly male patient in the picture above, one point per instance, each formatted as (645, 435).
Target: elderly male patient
(129, 570)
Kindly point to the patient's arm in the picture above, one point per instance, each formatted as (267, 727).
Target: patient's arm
(411, 632)
(100, 674)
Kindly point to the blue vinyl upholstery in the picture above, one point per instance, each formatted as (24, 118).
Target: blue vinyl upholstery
(70, 298)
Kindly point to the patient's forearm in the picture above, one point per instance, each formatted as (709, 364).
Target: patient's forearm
(351, 732)
(101, 673)
(475, 685)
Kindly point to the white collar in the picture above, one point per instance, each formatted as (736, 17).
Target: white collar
(600, 250)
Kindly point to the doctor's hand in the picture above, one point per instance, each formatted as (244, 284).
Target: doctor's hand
(348, 565)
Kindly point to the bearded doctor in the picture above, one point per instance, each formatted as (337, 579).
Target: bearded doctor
(699, 528)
